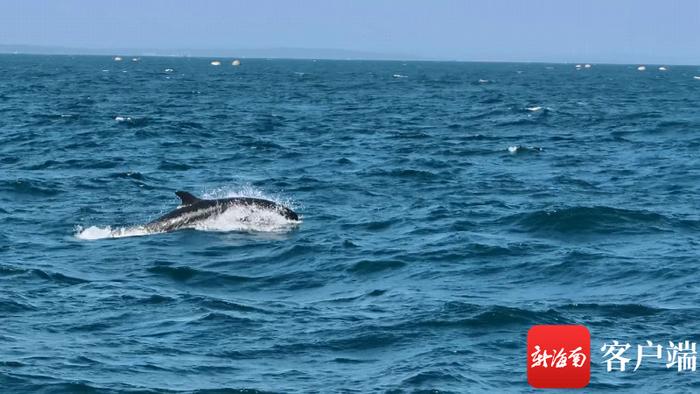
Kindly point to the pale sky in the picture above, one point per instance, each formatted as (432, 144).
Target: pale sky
(620, 31)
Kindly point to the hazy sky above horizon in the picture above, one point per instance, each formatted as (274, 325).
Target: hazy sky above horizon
(623, 31)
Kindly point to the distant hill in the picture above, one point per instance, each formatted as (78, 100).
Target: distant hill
(286, 53)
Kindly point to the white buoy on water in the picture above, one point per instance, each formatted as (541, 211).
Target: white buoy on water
(117, 58)
(215, 63)
(641, 68)
(236, 62)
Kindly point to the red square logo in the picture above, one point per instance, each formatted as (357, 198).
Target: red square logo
(558, 357)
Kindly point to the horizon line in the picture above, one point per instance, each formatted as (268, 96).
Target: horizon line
(51, 50)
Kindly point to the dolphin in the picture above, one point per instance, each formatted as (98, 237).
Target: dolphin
(194, 209)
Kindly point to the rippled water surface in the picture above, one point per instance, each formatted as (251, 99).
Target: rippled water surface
(447, 208)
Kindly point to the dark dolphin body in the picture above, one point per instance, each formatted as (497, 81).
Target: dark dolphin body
(194, 209)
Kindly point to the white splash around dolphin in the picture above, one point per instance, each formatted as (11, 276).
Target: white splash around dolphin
(243, 218)
(95, 232)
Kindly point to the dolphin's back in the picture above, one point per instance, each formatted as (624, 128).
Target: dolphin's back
(184, 215)
(194, 209)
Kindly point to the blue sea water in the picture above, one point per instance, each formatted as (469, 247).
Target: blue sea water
(447, 208)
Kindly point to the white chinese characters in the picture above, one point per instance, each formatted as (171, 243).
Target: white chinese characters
(682, 355)
(615, 352)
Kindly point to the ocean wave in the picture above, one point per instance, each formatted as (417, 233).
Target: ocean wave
(346, 360)
(458, 314)
(63, 117)
(529, 121)
(155, 299)
(129, 175)
(434, 376)
(407, 173)
(199, 276)
(489, 113)
(612, 310)
(91, 327)
(362, 341)
(596, 219)
(373, 225)
(485, 250)
(41, 384)
(492, 99)
(453, 315)
(9, 270)
(30, 187)
(76, 164)
(173, 166)
(639, 115)
(222, 304)
(53, 277)
(9, 159)
(372, 266)
(12, 306)
(371, 294)
(210, 318)
(188, 125)
(58, 277)
(44, 385)
(260, 144)
(410, 135)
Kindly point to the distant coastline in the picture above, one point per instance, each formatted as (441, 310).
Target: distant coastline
(314, 53)
(281, 53)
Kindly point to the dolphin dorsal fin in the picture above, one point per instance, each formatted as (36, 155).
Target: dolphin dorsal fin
(187, 198)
